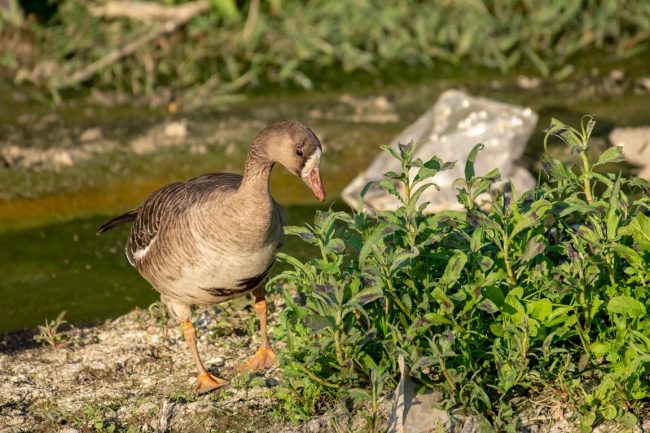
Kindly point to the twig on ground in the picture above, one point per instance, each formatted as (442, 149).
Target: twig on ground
(146, 11)
(165, 416)
(182, 15)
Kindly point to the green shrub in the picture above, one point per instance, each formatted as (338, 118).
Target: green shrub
(547, 288)
(293, 42)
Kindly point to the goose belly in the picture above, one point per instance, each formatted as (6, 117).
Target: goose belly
(216, 277)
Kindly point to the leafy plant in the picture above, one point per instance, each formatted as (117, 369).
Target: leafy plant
(292, 42)
(530, 290)
(51, 334)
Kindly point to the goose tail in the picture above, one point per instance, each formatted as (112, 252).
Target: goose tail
(122, 219)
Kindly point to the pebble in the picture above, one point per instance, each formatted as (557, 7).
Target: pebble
(176, 129)
(91, 134)
(528, 83)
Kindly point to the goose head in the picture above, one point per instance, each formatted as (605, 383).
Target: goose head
(297, 148)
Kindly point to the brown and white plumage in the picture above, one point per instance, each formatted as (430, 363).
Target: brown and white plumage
(215, 237)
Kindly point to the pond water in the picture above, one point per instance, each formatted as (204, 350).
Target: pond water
(50, 258)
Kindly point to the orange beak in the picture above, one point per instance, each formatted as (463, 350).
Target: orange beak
(314, 182)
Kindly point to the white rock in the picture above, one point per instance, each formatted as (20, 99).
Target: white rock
(449, 130)
(635, 142)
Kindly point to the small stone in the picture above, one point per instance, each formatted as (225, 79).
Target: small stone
(617, 75)
(26, 118)
(147, 408)
(63, 158)
(528, 83)
(91, 134)
(382, 103)
(217, 362)
(199, 149)
(176, 129)
(645, 82)
(69, 430)
(144, 144)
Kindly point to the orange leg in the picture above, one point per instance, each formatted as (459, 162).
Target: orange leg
(264, 358)
(206, 382)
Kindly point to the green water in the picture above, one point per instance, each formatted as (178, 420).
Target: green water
(65, 266)
(50, 258)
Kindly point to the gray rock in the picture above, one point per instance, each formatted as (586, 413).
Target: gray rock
(422, 413)
(449, 130)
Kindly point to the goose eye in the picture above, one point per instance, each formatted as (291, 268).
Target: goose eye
(299, 151)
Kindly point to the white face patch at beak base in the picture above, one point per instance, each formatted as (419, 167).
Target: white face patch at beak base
(311, 163)
(311, 175)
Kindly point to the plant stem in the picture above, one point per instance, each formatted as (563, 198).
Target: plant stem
(313, 377)
(506, 258)
(337, 341)
(585, 177)
(397, 300)
(448, 378)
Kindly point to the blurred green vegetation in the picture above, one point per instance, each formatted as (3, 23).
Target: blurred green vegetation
(241, 45)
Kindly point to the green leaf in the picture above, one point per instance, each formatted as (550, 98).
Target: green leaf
(294, 262)
(257, 381)
(436, 319)
(390, 187)
(335, 246)
(402, 258)
(626, 305)
(612, 216)
(476, 241)
(363, 193)
(471, 159)
(366, 296)
(639, 229)
(360, 394)
(454, 268)
(540, 309)
(587, 421)
(303, 232)
(428, 169)
(609, 412)
(632, 257)
(629, 420)
(534, 247)
(227, 8)
(600, 349)
(374, 240)
(495, 295)
(524, 221)
(611, 155)
(487, 306)
(415, 196)
(316, 322)
(443, 300)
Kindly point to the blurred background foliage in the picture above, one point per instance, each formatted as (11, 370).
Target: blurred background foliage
(227, 46)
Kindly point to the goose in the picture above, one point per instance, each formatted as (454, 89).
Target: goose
(214, 237)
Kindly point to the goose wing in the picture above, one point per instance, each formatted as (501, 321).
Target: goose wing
(167, 204)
